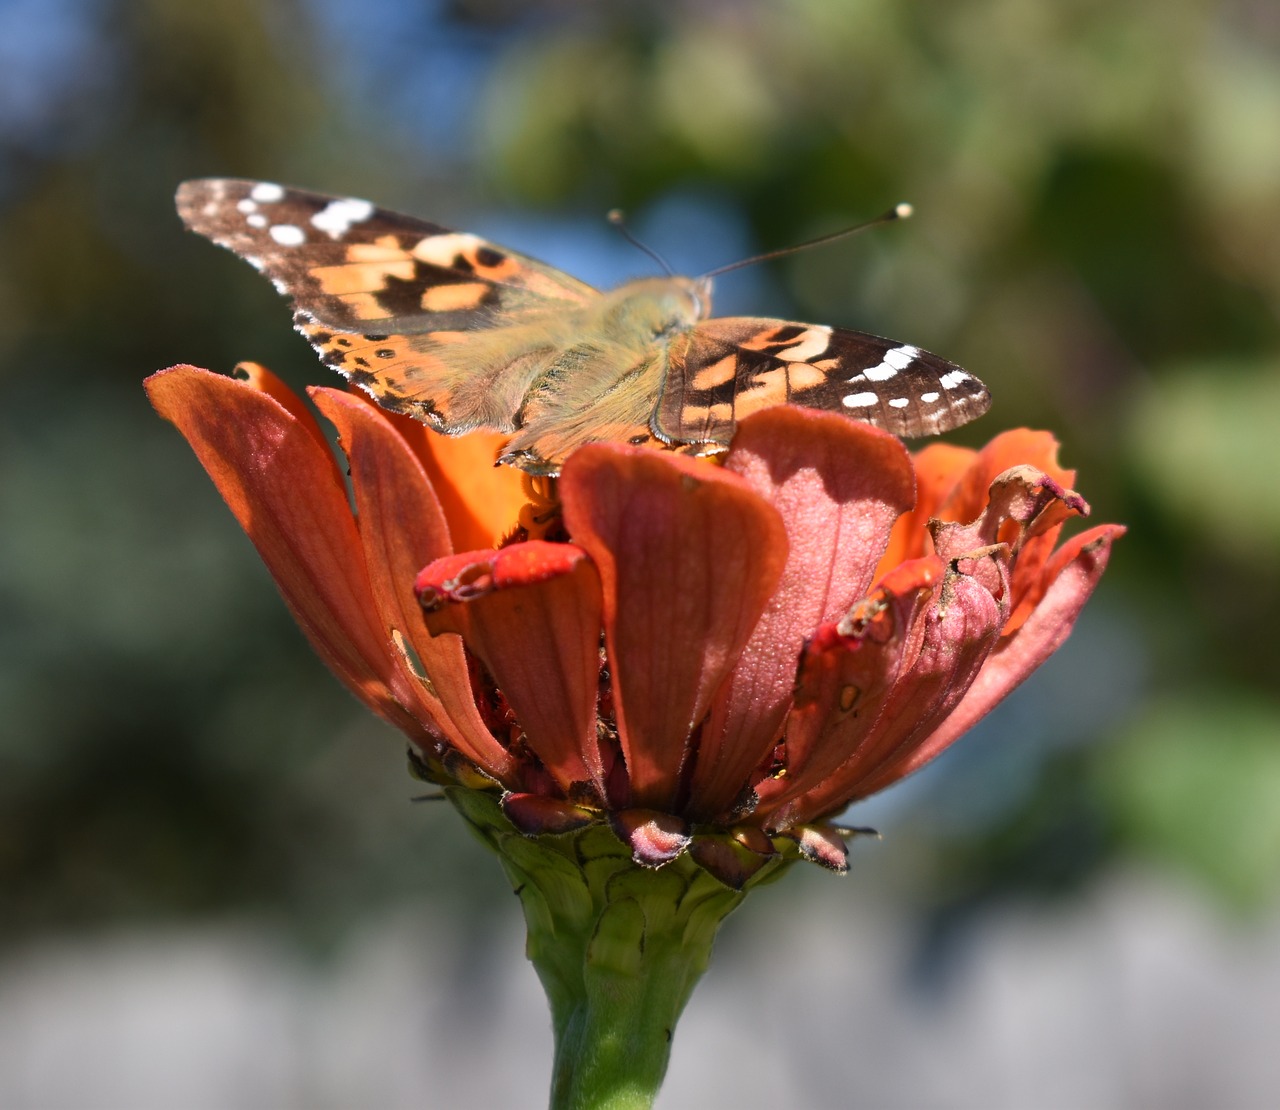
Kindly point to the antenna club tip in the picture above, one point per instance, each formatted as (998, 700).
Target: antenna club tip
(902, 211)
(616, 216)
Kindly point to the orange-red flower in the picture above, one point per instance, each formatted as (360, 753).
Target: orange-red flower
(712, 658)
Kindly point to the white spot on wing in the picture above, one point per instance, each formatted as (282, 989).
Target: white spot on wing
(338, 215)
(899, 402)
(287, 235)
(953, 378)
(894, 359)
(809, 344)
(256, 219)
(860, 400)
(266, 192)
(246, 205)
(930, 397)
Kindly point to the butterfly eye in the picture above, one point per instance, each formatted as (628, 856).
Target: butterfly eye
(700, 288)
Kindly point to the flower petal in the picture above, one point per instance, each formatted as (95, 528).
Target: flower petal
(531, 612)
(401, 528)
(823, 845)
(1025, 509)
(847, 671)
(481, 500)
(1071, 577)
(956, 632)
(655, 838)
(688, 556)
(1017, 447)
(276, 473)
(729, 858)
(538, 815)
(839, 487)
(938, 468)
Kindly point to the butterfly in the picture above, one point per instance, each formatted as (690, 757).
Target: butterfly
(463, 334)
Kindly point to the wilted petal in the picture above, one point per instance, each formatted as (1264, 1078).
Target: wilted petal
(688, 556)
(957, 629)
(1017, 447)
(1025, 510)
(531, 612)
(732, 859)
(821, 844)
(839, 487)
(538, 815)
(847, 671)
(655, 838)
(402, 528)
(273, 468)
(1070, 579)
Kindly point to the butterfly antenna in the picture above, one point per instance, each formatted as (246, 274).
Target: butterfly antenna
(619, 220)
(897, 212)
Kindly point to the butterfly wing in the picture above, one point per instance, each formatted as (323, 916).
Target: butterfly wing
(729, 367)
(429, 321)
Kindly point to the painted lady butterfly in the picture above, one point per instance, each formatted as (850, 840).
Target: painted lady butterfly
(462, 334)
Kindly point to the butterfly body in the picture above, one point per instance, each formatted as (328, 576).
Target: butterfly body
(462, 335)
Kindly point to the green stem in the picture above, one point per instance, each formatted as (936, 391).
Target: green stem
(618, 948)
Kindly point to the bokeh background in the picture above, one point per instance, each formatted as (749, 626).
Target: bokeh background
(214, 888)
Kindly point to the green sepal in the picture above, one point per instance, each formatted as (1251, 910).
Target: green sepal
(618, 947)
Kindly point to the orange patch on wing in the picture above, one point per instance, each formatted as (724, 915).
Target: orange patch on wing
(805, 375)
(716, 373)
(721, 413)
(449, 298)
(364, 306)
(383, 249)
(361, 277)
(769, 388)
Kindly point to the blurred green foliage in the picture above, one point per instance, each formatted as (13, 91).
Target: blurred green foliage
(1098, 199)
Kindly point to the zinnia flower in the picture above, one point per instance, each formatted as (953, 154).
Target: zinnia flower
(655, 686)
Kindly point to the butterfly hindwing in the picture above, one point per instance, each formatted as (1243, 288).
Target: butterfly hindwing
(733, 366)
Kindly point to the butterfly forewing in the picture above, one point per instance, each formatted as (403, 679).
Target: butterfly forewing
(386, 299)
(352, 266)
(464, 334)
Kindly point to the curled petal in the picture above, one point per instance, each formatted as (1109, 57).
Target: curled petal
(1021, 503)
(275, 471)
(402, 527)
(655, 838)
(956, 630)
(1018, 447)
(1025, 510)
(839, 487)
(731, 859)
(1070, 578)
(821, 844)
(847, 671)
(538, 815)
(531, 612)
(688, 556)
